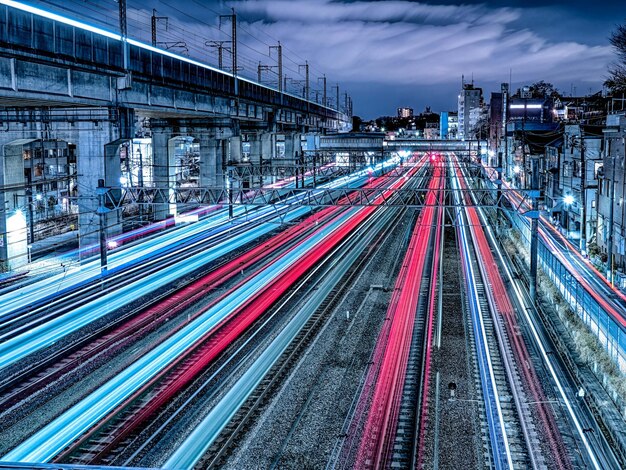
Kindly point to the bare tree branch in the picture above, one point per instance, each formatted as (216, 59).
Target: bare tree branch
(617, 73)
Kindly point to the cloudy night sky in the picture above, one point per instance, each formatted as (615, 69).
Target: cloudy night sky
(401, 53)
(393, 53)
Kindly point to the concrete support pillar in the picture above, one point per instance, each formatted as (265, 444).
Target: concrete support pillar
(164, 172)
(262, 153)
(210, 159)
(293, 155)
(234, 149)
(222, 162)
(97, 158)
(217, 145)
(268, 153)
(293, 145)
(223, 133)
(255, 149)
(255, 159)
(96, 145)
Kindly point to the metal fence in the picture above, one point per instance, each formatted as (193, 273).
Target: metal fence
(609, 332)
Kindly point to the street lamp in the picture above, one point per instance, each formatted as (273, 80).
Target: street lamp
(568, 200)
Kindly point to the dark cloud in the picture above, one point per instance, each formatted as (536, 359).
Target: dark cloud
(417, 46)
(400, 52)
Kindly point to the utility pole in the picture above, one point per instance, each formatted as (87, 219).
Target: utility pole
(583, 196)
(306, 79)
(123, 31)
(499, 180)
(323, 79)
(102, 210)
(337, 98)
(229, 190)
(219, 45)
(278, 68)
(31, 221)
(534, 228)
(233, 49)
(279, 64)
(609, 248)
(155, 20)
(308, 83)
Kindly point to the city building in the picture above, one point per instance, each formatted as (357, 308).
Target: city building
(443, 125)
(453, 125)
(470, 98)
(612, 195)
(431, 131)
(405, 112)
(553, 194)
(578, 168)
(38, 183)
(448, 125)
(582, 108)
(531, 110)
(495, 122)
(529, 128)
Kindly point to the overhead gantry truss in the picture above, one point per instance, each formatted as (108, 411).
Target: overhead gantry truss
(319, 167)
(117, 198)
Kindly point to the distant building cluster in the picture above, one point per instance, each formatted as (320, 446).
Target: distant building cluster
(405, 124)
(576, 144)
(405, 112)
(575, 150)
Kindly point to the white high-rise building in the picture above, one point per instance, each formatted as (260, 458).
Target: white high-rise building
(470, 98)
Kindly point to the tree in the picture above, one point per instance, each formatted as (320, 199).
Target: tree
(617, 72)
(543, 89)
(356, 123)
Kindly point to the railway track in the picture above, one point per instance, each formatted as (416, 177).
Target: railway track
(208, 431)
(518, 450)
(23, 339)
(384, 413)
(136, 259)
(224, 341)
(406, 442)
(41, 310)
(258, 399)
(137, 322)
(343, 453)
(535, 416)
(144, 402)
(410, 432)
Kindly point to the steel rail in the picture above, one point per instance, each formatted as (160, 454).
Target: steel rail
(498, 438)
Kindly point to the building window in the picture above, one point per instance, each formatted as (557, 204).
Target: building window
(567, 169)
